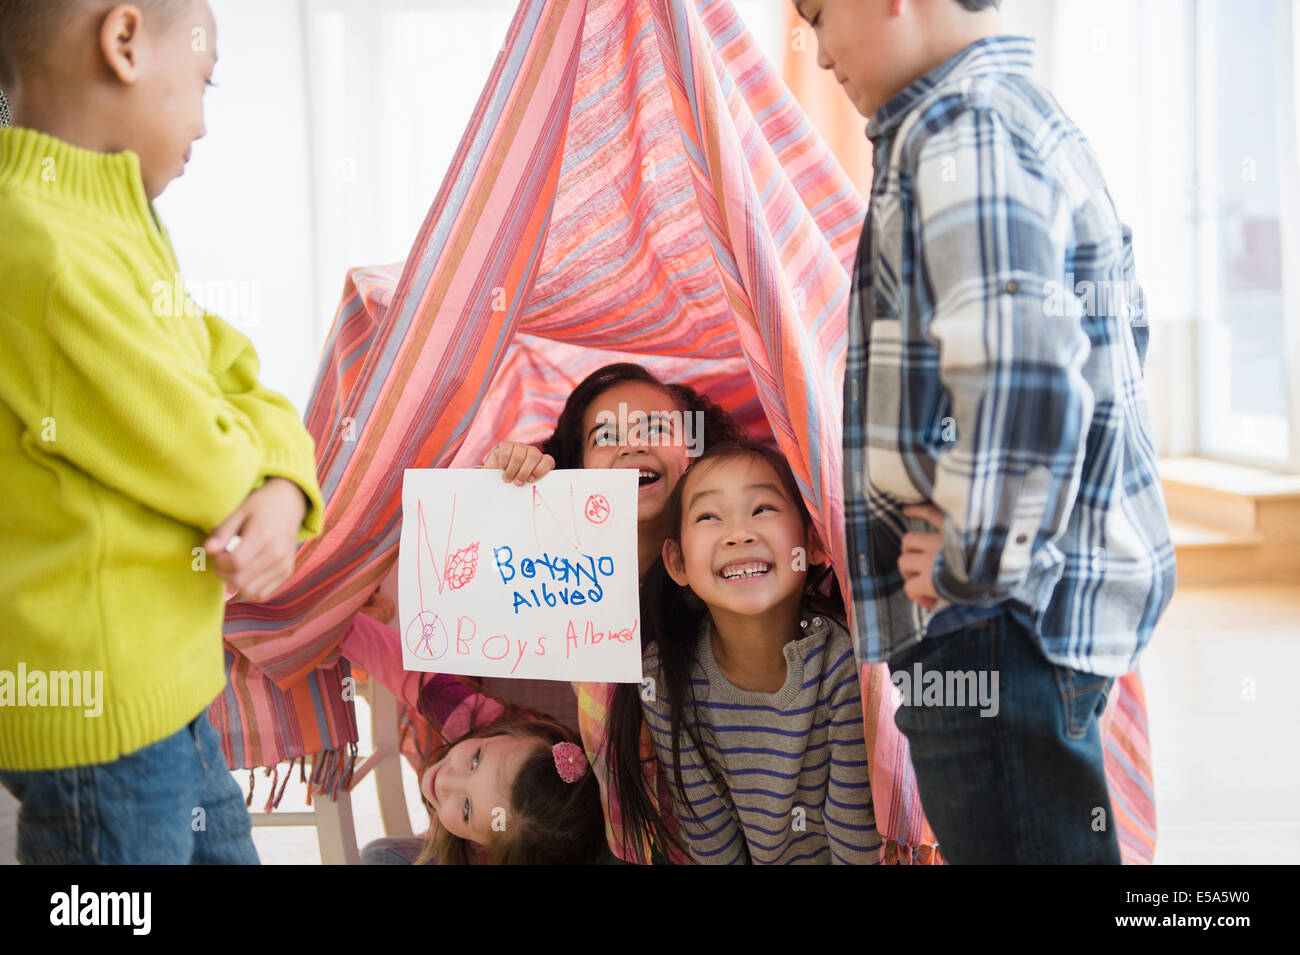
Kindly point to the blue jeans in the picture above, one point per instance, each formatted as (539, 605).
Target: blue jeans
(1026, 785)
(171, 803)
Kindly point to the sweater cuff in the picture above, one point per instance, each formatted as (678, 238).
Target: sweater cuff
(299, 468)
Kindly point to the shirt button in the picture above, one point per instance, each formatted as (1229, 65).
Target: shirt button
(804, 624)
(1021, 538)
(817, 621)
(1012, 287)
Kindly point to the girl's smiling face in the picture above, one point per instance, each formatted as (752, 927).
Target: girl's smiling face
(741, 538)
(473, 780)
(634, 424)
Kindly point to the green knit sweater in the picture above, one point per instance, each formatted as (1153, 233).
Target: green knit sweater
(131, 424)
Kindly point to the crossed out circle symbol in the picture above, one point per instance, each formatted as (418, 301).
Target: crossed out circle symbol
(597, 509)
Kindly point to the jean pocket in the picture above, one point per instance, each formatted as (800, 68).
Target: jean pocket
(1083, 696)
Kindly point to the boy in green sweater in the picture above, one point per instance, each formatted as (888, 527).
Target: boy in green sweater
(143, 469)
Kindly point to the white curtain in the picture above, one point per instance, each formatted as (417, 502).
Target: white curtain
(329, 133)
(241, 217)
(1123, 72)
(1290, 161)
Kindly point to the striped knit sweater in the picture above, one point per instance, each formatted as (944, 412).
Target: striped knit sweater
(784, 776)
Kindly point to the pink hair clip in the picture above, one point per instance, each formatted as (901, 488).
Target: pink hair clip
(570, 761)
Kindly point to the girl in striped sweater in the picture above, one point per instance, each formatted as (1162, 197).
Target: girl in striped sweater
(751, 691)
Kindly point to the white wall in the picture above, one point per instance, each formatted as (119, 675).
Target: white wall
(241, 216)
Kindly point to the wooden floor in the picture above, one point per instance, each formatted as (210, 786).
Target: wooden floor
(1220, 676)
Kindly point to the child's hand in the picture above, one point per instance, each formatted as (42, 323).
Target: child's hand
(920, 549)
(253, 548)
(521, 463)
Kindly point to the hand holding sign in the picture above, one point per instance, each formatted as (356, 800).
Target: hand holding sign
(532, 582)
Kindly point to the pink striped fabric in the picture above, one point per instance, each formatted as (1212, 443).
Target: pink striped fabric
(1128, 770)
(637, 184)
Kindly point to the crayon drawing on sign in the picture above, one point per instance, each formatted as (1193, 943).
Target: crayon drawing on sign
(537, 582)
(597, 509)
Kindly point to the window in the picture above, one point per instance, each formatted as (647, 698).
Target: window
(1246, 120)
(1191, 106)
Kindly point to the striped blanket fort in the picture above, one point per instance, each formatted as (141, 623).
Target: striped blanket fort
(636, 184)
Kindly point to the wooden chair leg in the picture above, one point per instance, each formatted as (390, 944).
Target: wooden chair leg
(388, 772)
(336, 832)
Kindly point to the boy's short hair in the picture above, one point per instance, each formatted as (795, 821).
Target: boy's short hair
(975, 6)
(28, 26)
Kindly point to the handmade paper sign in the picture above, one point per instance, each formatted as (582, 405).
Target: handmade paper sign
(536, 582)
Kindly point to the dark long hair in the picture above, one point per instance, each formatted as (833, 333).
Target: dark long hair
(671, 616)
(551, 822)
(565, 444)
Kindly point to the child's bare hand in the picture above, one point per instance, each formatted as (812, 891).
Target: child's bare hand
(253, 549)
(521, 463)
(920, 549)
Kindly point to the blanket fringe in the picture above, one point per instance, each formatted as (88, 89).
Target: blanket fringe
(288, 775)
(896, 853)
(331, 773)
(274, 773)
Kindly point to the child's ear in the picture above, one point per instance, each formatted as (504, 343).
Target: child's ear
(673, 563)
(816, 550)
(119, 42)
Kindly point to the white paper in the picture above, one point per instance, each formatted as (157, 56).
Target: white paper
(536, 582)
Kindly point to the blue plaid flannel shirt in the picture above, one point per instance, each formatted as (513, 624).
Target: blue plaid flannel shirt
(996, 346)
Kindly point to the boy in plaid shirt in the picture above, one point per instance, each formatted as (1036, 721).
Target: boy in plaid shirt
(1006, 524)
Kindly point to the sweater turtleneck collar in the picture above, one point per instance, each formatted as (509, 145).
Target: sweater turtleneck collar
(85, 180)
